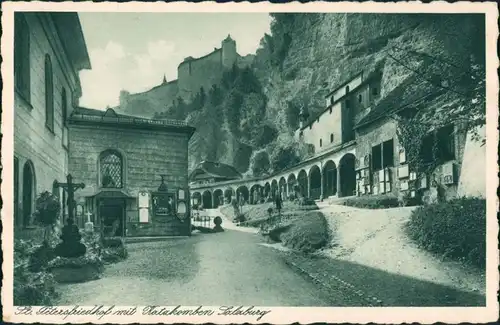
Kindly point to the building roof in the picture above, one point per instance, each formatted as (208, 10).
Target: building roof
(215, 169)
(70, 32)
(412, 91)
(109, 117)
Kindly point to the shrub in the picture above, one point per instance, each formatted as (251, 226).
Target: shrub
(31, 288)
(373, 202)
(303, 201)
(47, 212)
(307, 233)
(455, 229)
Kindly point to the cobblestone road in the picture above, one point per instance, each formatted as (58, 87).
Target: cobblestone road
(205, 269)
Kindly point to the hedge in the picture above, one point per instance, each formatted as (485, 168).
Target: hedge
(373, 202)
(454, 229)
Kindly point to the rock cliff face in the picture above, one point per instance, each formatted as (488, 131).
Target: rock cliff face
(328, 49)
(306, 57)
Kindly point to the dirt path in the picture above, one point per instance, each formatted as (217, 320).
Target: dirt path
(375, 238)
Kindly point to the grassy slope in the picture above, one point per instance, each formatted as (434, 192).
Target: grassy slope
(308, 229)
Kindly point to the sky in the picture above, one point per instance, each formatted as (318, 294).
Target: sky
(132, 51)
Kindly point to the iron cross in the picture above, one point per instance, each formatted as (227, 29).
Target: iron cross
(70, 188)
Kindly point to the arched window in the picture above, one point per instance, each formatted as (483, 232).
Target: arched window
(28, 192)
(111, 169)
(347, 89)
(22, 56)
(320, 142)
(49, 94)
(360, 98)
(331, 137)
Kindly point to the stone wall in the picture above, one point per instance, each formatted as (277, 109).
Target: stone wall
(34, 143)
(384, 130)
(147, 155)
(192, 75)
(201, 72)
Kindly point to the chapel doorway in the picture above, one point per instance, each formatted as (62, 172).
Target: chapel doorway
(112, 216)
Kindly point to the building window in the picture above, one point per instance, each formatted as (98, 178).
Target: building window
(64, 106)
(360, 98)
(22, 56)
(320, 142)
(310, 126)
(439, 145)
(330, 110)
(49, 94)
(375, 91)
(111, 168)
(347, 89)
(331, 138)
(383, 155)
(331, 102)
(28, 192)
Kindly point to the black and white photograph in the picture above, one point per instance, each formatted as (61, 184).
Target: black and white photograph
(225, 163)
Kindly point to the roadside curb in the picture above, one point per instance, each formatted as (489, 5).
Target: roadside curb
(371, 301)
(134, 240)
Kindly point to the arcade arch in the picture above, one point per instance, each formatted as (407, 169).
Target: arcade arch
(207, 200)
(329, 179)
(347, 175)
(315, 183)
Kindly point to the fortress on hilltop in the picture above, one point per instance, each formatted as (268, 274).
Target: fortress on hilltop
(192, 75)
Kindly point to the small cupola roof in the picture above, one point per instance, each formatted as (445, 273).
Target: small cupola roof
(228, 38)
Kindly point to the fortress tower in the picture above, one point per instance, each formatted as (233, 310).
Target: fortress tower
(229, 54)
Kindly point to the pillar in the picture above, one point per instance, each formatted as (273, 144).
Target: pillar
(337, 170)
(213, 199)
(308, 184)
(322, 194)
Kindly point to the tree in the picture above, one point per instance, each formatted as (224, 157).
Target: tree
(260, 164)
(456, 77)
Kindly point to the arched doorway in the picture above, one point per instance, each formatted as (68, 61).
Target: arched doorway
(292, 181)
(207, 200)
(28, 192)
(302, 182)
(218, 198)
(347, 175)
(315, 183)
(196, 199)
(329, 179)
(283, 188)
(228, 195)
(255, 194)
(242, 192)
(267, 190)
(274, 188)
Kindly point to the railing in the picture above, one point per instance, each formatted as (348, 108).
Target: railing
(128, 120)
(199, 218)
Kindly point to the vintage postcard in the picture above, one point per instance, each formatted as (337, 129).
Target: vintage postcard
(249, 163)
